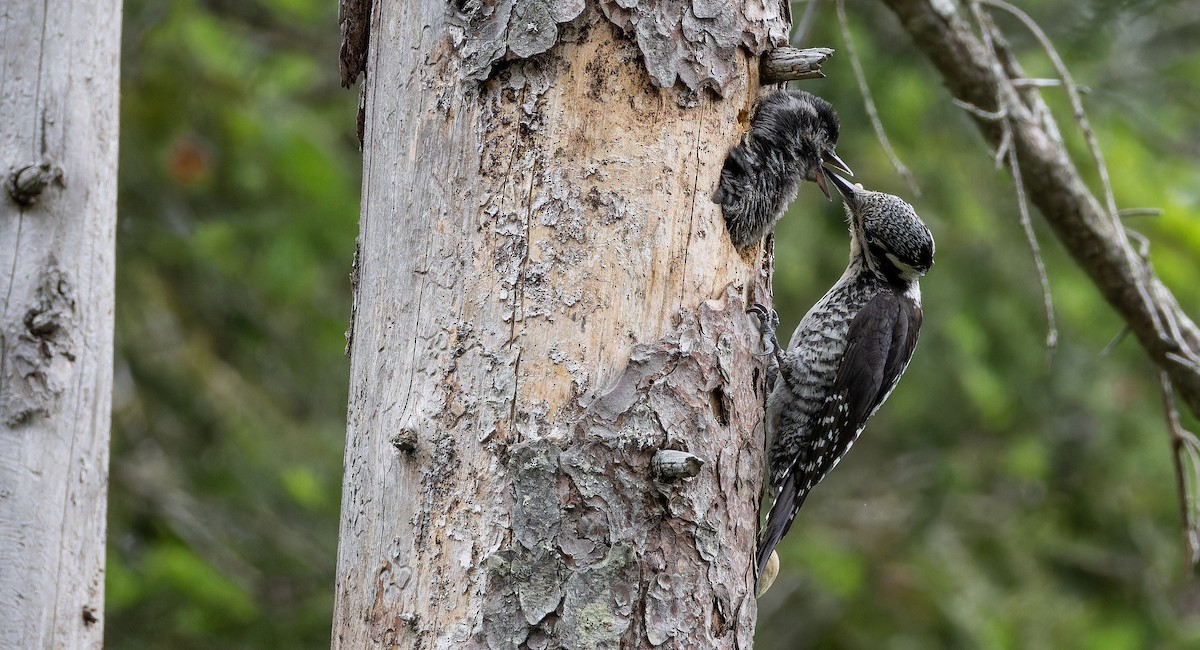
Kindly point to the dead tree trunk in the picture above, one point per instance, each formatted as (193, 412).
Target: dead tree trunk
(58, 156)
(554, 435)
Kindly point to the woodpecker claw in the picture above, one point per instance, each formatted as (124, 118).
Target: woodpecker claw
(768, 323)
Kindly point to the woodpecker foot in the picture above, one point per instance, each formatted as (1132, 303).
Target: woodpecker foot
(768, 322)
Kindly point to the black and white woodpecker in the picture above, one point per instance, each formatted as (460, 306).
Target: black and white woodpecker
(847, 354)
(792, 134)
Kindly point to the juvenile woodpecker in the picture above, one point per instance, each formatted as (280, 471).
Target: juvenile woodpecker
(791, 135)
(847, 354)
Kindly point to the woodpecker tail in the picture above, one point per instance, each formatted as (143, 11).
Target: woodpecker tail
(783, 511)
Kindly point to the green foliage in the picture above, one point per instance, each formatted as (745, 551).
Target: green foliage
(1004, 497)
(238, 207)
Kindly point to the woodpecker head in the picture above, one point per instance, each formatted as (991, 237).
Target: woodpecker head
(886, 232)
(804, 128)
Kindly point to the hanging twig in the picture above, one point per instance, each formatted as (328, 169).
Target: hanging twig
(1005, 151)
(1184, 446)
(1085, 127)
(1140, 212)
(1165, 322)
(869, 103)
(978, 74)
(1081, 118)
(1031, 240)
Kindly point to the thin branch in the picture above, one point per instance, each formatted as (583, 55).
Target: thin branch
(1140, 212)
(1036, 83)
(1192, 363)
(869, 103)
(999, 116)
(1031, 240)
(1116, 340)
(1143, 243)
(1085, 127)
(992, 116)
(978, 74)
(1080, 115)
(1003, 117)
(1081, 120)
(1183, 444)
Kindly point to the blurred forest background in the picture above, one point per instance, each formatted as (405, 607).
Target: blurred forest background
(1006, 497)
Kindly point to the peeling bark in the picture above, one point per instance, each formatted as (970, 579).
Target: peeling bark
(354, 19)
(695, 43)
(1093, 238)
(58, 155)
(546, 302)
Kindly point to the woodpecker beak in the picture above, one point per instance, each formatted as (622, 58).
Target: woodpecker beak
(820, 179)
(849, 192)
(831, 162)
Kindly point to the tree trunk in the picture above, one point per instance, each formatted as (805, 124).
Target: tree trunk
(554, 433)
(58, 156)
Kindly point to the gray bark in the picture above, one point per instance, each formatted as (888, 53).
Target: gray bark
(58, 154)
(1093, 237)
(547, 306)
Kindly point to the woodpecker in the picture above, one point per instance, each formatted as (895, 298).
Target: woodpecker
(791, 135)
(847, 354)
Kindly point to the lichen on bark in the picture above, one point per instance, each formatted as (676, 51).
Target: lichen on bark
(39, 351)
(592, 522)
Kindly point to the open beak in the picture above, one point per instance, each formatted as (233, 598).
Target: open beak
(830, 162)
(820, 179)
(849, 192)
(834, 164)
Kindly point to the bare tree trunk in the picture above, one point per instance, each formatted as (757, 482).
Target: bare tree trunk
(554, 432)
(58, 156)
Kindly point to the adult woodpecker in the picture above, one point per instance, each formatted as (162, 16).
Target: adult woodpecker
(792, 134)
(847, 354)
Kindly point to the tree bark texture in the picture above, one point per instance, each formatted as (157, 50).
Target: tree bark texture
(1093, 237)
(554, 435)
(58, 154)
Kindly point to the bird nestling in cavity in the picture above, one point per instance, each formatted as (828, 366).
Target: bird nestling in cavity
(846, 355)
(792, 134)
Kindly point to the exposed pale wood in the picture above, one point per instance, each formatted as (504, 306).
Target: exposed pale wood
(58, 108)
(546, 297)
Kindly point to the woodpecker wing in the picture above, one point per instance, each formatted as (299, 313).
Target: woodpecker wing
(783, 511)
(879, 345)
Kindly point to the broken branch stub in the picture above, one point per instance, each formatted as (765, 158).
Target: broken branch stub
(784, 64)
(26, 183)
